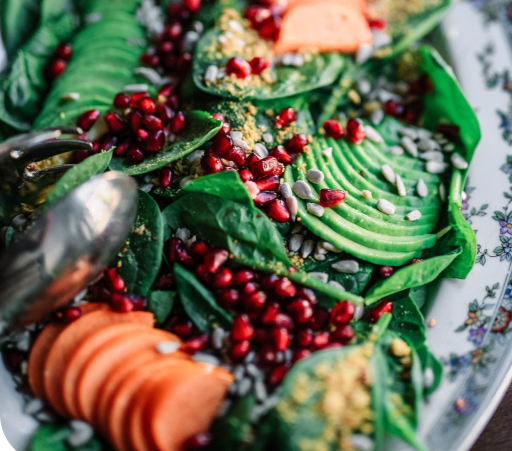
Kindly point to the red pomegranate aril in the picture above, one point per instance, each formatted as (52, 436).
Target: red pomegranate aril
(152, 123)
(221, 145)
(155, 141)
(320, 319)
(211, 163)
(183, 328)
(173, 102)
(173, 31)
(136, 97)
(256, 14)
(177, 11)
(142, 135)
(63, 51)
(280, 153)
(280, 339)
(178, 122)
(415, 260)
(164, 113)
(139, 302)
(262, 336)
(121, 149)
(96, 145)
(242, 277)
(240, 349)
(264, 198)
(308, 294)
(302, 310)
(393, 108)
(193, 5)
(278, 211)
(355, 131)
(285, 288)
(301, 354)
(270, 313)
(379, 24)
(304, 338)
(197, 343)
(121, 101)
(135, 121)
(284, 321)
(100, 293)
(246, 175)
(202, 439)
(149, 60)
(134, 156)
(237, 155)
(452, 132)
(242, 328)
(413, 111)
(285, 118)
(215, 259)
(268, 183)
(165, 177)
(68, 315)
(114, 122)
(184, 64)
(200, 248)
(382, 307)
(114, 280)
(57, 67)
(80, 155)
(223, 278)
(264, 167)
(333, 129)
(147, 106)
(321, 339)
(269, 281)
(342, 313)
(165, 46)
(278, 374)
(228, 298)
(254, 301)
(121, 303)
(218, 116)
(250, 287)
(267, 355)
(270, 28)
(343, 334)
(87, 119)
(386, 271)
(239, 67)
(297, 143)
(331, 197)
(177, 253)
(259, 64)
(109, 142)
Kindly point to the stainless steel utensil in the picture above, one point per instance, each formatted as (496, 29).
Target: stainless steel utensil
(67, 248)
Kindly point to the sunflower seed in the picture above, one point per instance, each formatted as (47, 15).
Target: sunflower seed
(260, 390)
(307, 248)
(376, 117)
(327, 152)
(315, 176)
(388, 173)
(330, 247)
(249, 358)
(320, 249)
(302, 190)
(362, 442)
(93, 17)
(194, 156)
(218, 336)
(136, 87)
(286, 190)
(298, 60)
(204, 357)
(458, 161)
(239, 372)
(373, 135)
(318, 256)
(427, 144)
(386, 206)
(364, 86)
(70, 96)
(428, 377)
(268, 138)
(367, 194)
(167, 347)
(384, 95)
(442, 192)
(432, 155)
(410, 132)
(364, 53)
(244, 387)
(298, 228)
(150, 75)
(380, 39)
(337, 285)
(422, 188)
(198, 27)
(80, 434)
(450, 147)
(346, 266)
(296, 242)
(424, 133)
(435, 167)
(236, 135)
(183, 234)
(396, 150)
(293, 206)
(323, 276)
(359, 312)
(413, 215)
(409, 146)
(315, 209)
(33, 406)
(23, 341)
(400, 186)
(260, 151)
(241, 143)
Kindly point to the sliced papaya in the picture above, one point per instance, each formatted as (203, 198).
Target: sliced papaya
(42, 345)
(95, 372)
(359, 5)
(70, 338)
(85, 351)
(326, 27)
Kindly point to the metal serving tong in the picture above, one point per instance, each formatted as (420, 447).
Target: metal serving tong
(22, 150)
(67, 248)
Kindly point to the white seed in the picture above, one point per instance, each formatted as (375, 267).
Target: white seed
(146, 188)
(260, 390)
(384, 95)
(136, 87)
(298, 60)
(198, 27)
(23, 341)
(337, 285)
(183, 233)
(422, 188)
(239, 372)
(362, 442)
(396, 150)
(450, 147)
(435, 167)
(298, 228)
(364, 53)
(44, 417)
(428, 377)
(318, 256)
(194, 156)
(286, 190)
(236, 135)
(302, 190)
(458, 161)
(260, 151)
(204, 357)
(23, 367)
(218, 336)
(293, 206)
(322, 276)
(222, 73)
(367, 194)
(211, 73)
(358, 314)
(33, 406)
(307, 248)
(236, 26)
(320, 249)
(409, 146)
(223, 38)
(386, 206)
(413, 215)
(380, 39)
(410, 132)
(252, 188)
(424, 133)
(296, 242)
(249, 359)
(427, 144)
(372, 134)
(244, 387)
(268, 138)
(167, 347)
(241, 143)
(315, 176)
(346, 266)
(315, 209)
(432, 155)
(330, 247)
(388, 173)
(70, 96)
(376, 117)
(442, 192)
(327, 152)
(80, 434)
(364, 86)
(400, 186)
(150, 75)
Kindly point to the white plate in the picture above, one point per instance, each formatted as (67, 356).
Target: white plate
(477, 357)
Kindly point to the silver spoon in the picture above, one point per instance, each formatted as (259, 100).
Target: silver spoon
(67, 248)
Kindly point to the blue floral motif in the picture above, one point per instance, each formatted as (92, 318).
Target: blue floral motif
(477, 335)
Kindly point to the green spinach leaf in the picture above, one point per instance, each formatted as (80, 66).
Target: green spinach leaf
(52, 437)
(160, 304)
(18, 19)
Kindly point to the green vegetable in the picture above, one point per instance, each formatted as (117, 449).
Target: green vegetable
(95, 164)
(160, 304)
(200, 128)
(199, 303)
(18, 19)
(53, 437)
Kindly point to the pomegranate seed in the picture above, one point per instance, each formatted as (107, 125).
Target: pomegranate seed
(165, 177)
(270, 313)
(267, 355)
(164, 113)
(155, 141)
(218, 116)
(278, 374)
(120, 303)
(320, 319)
(302, 310)
(281, 154)
(240, 349)
(284, 321)
(68, 315)
(264, 198)
(250, 287)
(331, 197)
(166, 46)
(80, 155)
(285, 118)
(237, 155)
(239, 67)
(228, 298)
(268, 282)
(142, 135)
(223, 278)
(137, 97)
(192, 5)
(197, 343)
(382, 307)
(256, 14)
(415, 260)
(149, 60)
(301, 354)
(211, 163)
(246, 175)
(242, 328)
(215, 259)
(63, 52)
(242, 277)
(57, 67)
(386, 271)
(259, 64)
(177, 253)
(135, 121)
(308, 294)
(281, 339)
(109, 142)
(86, 120)
(304, 338)
(147, 106)
(221, 145)
(285, 288)
(292, 269)
(278, 211)
(355, 131)
(114, 122)
(139, 302)
(393, 108)
(177, 11)
(342, 313)
(321, 339)
(100, 293)
(254, 301)
(173, 31)
(96, 145)
(270, 28)
(200, 248)
(413, 111)
(178, 122)
(121, 100)
(333, 129)
(113, 279)
(262, 336)
(174, 102)
(264, 167)
(343, 334)
(152, 123)
(380, 24)
(184, 64)
(297, 143)
(134, 156)
(183, 328)
(421, 86)
(270, 183)
(202, 439)
(166, 90)
(451, 132)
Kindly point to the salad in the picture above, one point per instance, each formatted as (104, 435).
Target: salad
(300, 167)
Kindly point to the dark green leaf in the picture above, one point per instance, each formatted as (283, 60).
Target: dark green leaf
(499, 215)
(160, 304)
(18, 19)
(419, 295)
(52, 437)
